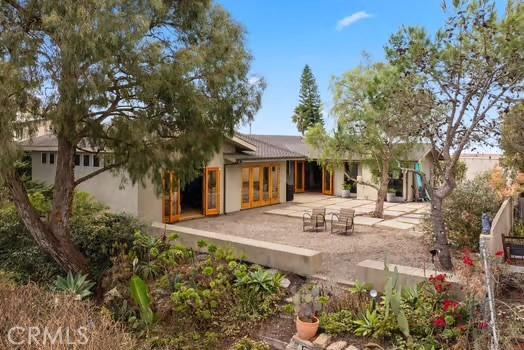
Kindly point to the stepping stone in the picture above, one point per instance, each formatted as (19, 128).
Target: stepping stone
(338, 345)
(322, 340)
(414, 216)
(395, 224)
(366, 220)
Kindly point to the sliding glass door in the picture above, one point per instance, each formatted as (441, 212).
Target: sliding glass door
(327, 182)
(300, 175)
(212, 191)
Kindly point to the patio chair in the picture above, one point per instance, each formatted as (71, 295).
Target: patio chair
(314, 220)
(513, 249)
(345, 221)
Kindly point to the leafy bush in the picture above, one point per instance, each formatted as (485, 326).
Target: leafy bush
(463, 210)
(98, 233)
(76, 285)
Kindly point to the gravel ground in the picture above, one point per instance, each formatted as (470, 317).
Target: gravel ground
(341, 253)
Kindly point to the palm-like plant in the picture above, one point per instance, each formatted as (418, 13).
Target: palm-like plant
(77, 285)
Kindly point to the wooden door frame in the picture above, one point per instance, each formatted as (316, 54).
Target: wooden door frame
(214, 211)
(324, 191)
(173, 216)
(300, 190)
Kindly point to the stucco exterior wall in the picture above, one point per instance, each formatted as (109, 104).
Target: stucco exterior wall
(364, 191)
(233, 189)
(478, 164)
(338, 181)
(107, 187)
(149, 203)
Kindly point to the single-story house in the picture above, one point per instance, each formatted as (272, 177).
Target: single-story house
(249, 171)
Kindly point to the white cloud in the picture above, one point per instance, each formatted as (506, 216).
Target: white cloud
(349, 20)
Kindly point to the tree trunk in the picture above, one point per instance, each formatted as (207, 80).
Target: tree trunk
(62, 251)
(382, 190)
(439, 229)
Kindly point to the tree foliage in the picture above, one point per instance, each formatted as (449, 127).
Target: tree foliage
(473, 69)
(153, 85)
(371, 125)
(512, 137)
(309, 110)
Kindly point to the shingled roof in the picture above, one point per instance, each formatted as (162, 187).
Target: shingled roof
(273, 147)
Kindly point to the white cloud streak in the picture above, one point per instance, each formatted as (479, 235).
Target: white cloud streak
(351, 19)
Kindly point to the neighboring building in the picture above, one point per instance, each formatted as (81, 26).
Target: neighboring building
(477, 164)
(249, 171)
(28, 128)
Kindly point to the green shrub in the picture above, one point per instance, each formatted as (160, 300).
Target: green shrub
(98, 233)
(338, 322)
(463, 211)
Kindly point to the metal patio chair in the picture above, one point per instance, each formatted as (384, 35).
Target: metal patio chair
(345, 221)
(314, 220)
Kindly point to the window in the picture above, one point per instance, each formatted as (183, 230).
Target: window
(96, 161)
(86, 159)
(77, 159)
(44, 158)
(51, 158)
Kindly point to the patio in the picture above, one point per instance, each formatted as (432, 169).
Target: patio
(402, 216)
(341, 253)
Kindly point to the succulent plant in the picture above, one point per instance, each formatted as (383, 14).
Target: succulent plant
(309, 303)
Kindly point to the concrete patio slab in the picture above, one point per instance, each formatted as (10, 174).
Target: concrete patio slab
(424, 210)
(415, 215)
(392, 212)
(297, 208)
(284, 212)
(395, 224)
(366, 220)
(409, 220)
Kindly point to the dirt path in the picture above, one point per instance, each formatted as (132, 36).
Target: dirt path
(341, 253)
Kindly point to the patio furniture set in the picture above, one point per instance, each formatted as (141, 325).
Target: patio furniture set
(316, 220)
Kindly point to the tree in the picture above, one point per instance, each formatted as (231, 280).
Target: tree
(371, 125)
(138, 81)
(473, 69)
(308, 112)
(512, 138)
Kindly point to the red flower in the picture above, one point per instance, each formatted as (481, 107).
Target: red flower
(467, 260)
(439, 323)
(450, 305)
(483, 325)
(499, 253)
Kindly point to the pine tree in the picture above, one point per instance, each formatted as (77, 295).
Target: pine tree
(308, 112)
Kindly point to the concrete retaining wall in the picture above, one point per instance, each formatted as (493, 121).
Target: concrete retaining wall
(301, 261)
(372, 271)
(502, 225)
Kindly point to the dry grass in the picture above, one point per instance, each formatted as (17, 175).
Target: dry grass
(31, 306)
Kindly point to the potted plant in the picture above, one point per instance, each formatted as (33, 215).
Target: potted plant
(308, 304)
(353, 190)
(390, 196)
(346, 190)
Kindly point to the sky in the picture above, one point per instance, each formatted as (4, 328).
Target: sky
(328, 35)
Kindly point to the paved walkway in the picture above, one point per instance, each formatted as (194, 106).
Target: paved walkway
(403, 216)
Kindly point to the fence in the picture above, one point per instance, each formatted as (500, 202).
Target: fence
(502, 225)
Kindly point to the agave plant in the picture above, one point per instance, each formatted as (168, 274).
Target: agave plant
(77, 285)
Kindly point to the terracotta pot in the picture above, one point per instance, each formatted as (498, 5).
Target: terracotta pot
(307, 330)
(519, 344)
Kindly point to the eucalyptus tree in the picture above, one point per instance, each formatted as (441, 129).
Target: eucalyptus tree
(371, 125)
(155, 85)
(473, 68)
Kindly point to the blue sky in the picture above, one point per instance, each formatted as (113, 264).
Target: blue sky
(329, 35)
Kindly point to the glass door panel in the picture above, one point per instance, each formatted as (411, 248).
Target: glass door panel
(327, 182)
(212, 191)
(255, 173)
(170, 198)
(265, 184)
(246, 188)
(275, 193)
(299, 175)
